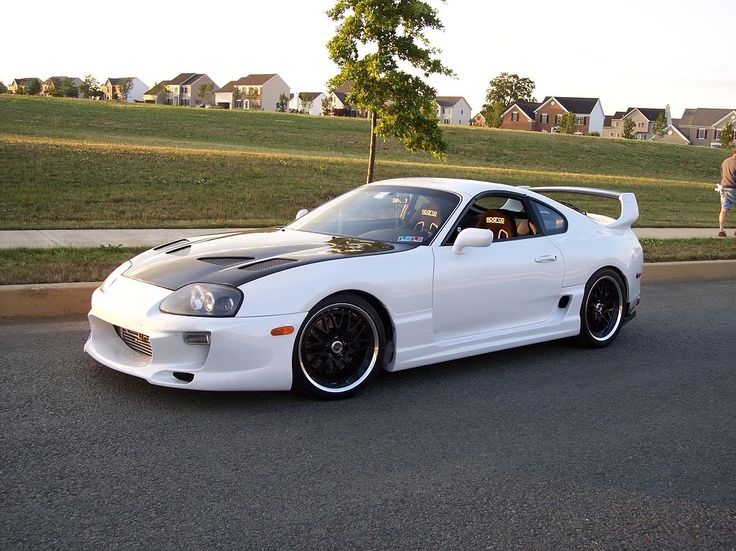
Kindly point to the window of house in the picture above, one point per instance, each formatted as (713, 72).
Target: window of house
(544, 118)
(558, 119)
(580, 120)
(185, 101)
(718, 135)
(640, 125)
(702, 133)
(514, 116)
(615, 123)
(447, 121)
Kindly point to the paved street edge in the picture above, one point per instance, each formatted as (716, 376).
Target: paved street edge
(66, 299)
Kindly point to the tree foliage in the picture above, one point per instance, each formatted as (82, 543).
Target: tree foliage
(728, 135)
(305, 102)
(567, 124)
(392, 32)
(206, 92)
(33, 87)
(67, 89)
(328, 104)
(660, 125)
(503, 91)
(125, 87)
(90, 88)
(3, 88)
(628, 128)
(283, 104)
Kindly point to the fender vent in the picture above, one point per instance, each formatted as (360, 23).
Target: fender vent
(226, 260)
(267, 264)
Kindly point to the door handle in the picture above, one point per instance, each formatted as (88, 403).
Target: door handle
(546, 258)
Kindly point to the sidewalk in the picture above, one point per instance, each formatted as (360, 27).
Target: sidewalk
(10, 239)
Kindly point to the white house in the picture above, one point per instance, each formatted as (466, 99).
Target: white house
(453, 110)
(111, 89)
(307, 102)
(259, 92)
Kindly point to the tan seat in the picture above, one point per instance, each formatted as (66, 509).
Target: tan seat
(499, 222)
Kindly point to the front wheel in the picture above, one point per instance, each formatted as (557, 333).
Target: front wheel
(602, 310)
(339, 347)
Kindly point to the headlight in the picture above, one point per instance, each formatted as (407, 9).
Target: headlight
(117, 272)
(204, 299)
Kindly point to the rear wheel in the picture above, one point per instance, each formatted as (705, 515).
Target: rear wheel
(602, 310)
(339, 347)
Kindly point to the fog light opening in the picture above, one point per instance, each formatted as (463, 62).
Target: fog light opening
(186, 377)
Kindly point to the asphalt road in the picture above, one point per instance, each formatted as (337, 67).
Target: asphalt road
(544, 447)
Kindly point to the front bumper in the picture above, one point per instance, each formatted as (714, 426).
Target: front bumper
(241, 355)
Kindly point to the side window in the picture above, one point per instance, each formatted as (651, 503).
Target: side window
(505, 216)
(552, 221)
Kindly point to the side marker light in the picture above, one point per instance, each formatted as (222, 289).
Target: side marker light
(278, 331)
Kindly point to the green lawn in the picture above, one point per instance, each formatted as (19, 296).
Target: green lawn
(84, 164)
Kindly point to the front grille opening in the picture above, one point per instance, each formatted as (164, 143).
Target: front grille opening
(136, 341)
(267, 264)
(186, 377)
(226, 260)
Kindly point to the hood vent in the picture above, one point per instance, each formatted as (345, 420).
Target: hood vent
(170, 244)
(267, 264)
(180, 251)
(226, 261)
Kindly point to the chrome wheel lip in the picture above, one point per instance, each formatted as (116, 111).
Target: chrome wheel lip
(619, 314)
(374, 356)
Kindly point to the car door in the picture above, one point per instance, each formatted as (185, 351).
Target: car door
(514, 282)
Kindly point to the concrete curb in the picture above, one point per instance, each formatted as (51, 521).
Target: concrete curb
(66, 299)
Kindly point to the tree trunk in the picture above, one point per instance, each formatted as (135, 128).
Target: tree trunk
(372, 151)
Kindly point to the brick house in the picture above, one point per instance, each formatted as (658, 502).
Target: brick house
(588, 114)
(521, 116)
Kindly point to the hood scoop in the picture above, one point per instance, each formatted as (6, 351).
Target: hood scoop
(180, 251)
(226, 261)
(267, 264)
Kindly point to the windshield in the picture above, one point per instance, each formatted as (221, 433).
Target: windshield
(383, 213)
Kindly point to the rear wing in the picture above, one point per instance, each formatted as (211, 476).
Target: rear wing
(629, 206)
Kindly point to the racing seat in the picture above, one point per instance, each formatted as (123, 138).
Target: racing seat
(499, 222)
(427, 219)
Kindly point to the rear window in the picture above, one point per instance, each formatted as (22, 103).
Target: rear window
(552, 221)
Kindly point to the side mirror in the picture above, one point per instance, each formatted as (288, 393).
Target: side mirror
(301, 213)
(472, 237)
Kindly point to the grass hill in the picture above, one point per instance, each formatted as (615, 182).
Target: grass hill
(71, 163)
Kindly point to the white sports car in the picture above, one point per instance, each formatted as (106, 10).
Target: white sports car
(392, 275)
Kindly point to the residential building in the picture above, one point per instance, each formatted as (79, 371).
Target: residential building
(18, 85)
(588, 114)
(644, 119)
(340, 106)
(307, 102)
(672, 134)
(453, 110)
(521, 116)
(260, 92)
(55, 83)
(478, 120)
(703, 126)
(111, 89)
(183, 90)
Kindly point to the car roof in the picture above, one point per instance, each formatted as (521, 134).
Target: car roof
(468, 188)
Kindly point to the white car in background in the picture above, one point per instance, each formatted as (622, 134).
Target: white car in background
(392, 275)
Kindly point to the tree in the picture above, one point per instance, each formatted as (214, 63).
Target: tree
(567, 123)
(51, 89)
(90, 88)
(628, 128)
(237, 97)
(503, 91)
(305, 102)
(728, 135)
(206, 92)
(125, 87)
(660, 125)
(401, 104)
(283, 104)
(33, 87)
(328, 104)
(3, 88)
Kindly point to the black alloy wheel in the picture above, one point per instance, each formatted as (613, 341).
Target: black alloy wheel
(339, 347)
(602, 310)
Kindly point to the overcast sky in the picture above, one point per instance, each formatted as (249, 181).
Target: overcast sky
(644, 53)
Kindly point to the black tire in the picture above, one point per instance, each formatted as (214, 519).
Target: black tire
(602, 310)
(339, 348)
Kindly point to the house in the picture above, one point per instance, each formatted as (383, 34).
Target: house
(19, 85)
(588, 114)
(307, 102)
(521, 116)
(53, 85)
(644, 119)
(479, 120)
(340, 106)
(672, 134)
(702, 126)
(260, 92)
(453, 110)
(111, 89)
(183, 90)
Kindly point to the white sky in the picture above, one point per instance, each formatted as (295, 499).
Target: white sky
(644, 53)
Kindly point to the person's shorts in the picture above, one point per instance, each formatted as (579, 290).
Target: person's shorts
(728, 197)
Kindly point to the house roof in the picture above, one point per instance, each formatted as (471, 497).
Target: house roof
(309, 96)
(25, 81)
(154, 91)
(703, 117)
(58, 80)
(183, 79)
(619, 115)
(573, 104)
(527, 107)
(449, 101)
(118, 80)
(250, 80)
(650, 113)
(673, 128)
(607, 120)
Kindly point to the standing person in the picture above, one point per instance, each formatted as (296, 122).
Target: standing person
(728, 190)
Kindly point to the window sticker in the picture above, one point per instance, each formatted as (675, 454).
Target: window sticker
(410, 239)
